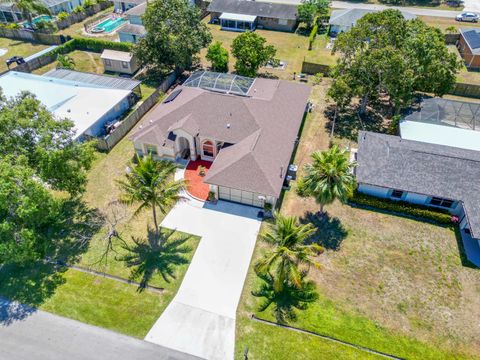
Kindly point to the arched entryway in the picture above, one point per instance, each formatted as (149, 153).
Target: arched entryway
(184, 147)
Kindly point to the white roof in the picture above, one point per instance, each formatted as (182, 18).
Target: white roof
(82, 103)
(238, 17)
(440, 135)
(116, 55)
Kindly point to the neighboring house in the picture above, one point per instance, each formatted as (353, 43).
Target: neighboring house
(90, 105)
(8, 12)
(134, 30)
(427, 174)
(119, 61)
(246, 127)
(444, 122)
(469, 47)
(344, 20)
(242, 15)
(122, 6)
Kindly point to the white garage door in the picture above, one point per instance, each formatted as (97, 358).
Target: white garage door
(243, 197)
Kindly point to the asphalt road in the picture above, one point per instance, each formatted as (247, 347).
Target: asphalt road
(27, 334)
(413, 10)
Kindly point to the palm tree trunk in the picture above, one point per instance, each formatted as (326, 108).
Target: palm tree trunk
(154, 209)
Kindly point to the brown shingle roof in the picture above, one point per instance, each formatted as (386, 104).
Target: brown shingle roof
(263, 130)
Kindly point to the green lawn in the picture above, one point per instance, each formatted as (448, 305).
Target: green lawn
(84, 61)
(388, 283)
(91, 299)
(291, 48)
(18, 48)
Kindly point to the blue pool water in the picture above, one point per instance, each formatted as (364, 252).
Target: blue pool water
(36, 20)
(109, 25)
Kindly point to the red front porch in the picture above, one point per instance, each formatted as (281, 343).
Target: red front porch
(195, 185)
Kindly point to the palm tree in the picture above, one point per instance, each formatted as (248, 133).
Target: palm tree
(65, 62)
(289, 252)
(286, 300)
(159, 253)
(150, 184)
(28, 8)
(329, 177)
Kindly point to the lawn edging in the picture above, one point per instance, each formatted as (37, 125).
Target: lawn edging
(325, 337)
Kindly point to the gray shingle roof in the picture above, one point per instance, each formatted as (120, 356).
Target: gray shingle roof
(138, 10)
(133, 29)
(413, 166)
(472, 38)
(263, 129)
(257, 8)
(112, 82)
(350, 17)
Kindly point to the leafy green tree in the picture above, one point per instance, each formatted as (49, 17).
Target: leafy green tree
(160, 253)
(29, 131)
(384, 54)
(65, 62)
(150, 184)
(307, 13)
(289, 251)
(251, 52)
(218, 56)
(329, 177)
(29, 8)
(175, 33)
(288, 299)
(27, 211)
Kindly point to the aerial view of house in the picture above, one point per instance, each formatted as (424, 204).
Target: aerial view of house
(75, 96)
(344, 20)
(469, 47)
(246, 127)
(242, 15)
(236, 179)
(134, 29)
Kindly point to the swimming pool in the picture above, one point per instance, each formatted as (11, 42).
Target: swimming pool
(109, 25)
(46, 18)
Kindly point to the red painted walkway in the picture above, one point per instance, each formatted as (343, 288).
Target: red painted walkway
(195, 185)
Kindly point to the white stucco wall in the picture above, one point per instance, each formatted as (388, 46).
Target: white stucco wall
(373, 190)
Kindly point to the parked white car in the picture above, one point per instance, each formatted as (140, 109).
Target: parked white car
(468, 17)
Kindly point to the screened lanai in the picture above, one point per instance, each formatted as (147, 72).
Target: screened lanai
(238, 22)
(221, 82)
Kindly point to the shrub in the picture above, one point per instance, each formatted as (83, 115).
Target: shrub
(417, 211)
(78, 9)
(313, 33)
(97, 45)
(12, 26)
(218, 56)
(62, 15)
(89, 3)
(46, 26)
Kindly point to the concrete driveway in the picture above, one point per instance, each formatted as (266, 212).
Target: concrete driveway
(472, 5)
(29, 334)
(200, 320)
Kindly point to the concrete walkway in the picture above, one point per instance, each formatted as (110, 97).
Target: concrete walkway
(200, 320)
(414, 10)
(29, 334)
(472, 5)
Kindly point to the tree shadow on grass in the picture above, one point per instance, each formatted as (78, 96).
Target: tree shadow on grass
(348, 123)
(34, 282)
(329, 230)
(285, 302)
(160, 254)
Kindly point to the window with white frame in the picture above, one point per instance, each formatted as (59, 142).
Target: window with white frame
(208, 148)
(282, 22)
(124, 64)
(446, 203)
(107, 62)
(396, 194)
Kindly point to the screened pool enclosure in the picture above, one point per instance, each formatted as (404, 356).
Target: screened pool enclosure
(221, 82)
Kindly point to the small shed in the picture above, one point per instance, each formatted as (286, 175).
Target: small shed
(119, 61)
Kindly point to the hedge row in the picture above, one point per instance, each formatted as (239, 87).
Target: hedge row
(417, 211)
(97, 45)
(313, 33)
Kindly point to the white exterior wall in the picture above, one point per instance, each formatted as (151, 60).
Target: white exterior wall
(373, 190)
(191, 142)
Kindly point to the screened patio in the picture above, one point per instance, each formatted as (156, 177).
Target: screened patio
(237, 22)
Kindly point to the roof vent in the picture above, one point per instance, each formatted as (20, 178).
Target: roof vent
(228, 126)
(151, 121)
(68, 110)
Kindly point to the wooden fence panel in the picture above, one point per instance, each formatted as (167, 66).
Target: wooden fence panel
(466, 90)
(30, 36)
(109, 141)
(451, 39)
(313, 68)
